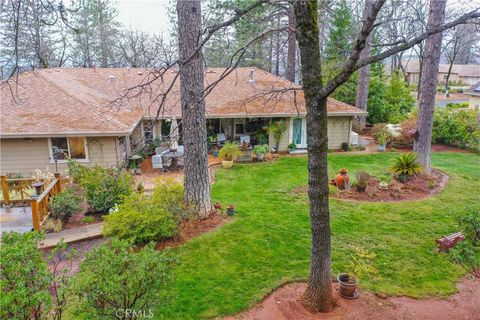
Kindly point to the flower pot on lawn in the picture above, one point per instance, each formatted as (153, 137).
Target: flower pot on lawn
(260, 156)
(347, 286)
(227, 164)
(342, 179)
(381, 147)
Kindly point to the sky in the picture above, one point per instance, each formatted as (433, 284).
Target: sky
(147, 15)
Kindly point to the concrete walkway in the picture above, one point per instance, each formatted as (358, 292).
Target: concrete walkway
(90, 231)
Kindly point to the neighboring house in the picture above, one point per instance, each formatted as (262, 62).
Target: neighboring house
(467, 74)
(52, 113)
(474, 93)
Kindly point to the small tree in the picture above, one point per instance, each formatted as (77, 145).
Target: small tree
(117, 280)
(277, 129)
(24, 277)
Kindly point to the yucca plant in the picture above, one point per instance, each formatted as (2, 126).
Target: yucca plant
(406, 165)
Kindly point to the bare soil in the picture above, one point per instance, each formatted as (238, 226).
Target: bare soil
(284, 304)
(193, 228)
(75, 221)
(418, 187)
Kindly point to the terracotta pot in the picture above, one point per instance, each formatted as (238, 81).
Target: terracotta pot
(227, 164)
(345, 288)
(342, 179)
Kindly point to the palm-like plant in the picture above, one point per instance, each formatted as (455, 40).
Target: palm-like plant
(230, 151)
(407, 164)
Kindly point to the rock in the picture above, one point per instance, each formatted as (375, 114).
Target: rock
(381, 295)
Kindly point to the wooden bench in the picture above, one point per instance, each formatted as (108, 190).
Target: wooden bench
(446, 243)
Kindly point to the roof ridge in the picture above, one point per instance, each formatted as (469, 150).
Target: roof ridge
(82, 101)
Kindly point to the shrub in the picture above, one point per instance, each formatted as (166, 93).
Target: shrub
(466, 255)
(461, 105)
(362, 178)
(24, 277)
(277, 129)
(457, 127)
(470, 224)
(140, 220)
(390, 102)
(115, 277)
(406, 164)
(260, 149)
(230, 151)
(105, 187)
(381, 134)
(407, 127)
(168, 194)
(52, 226)
(65, 204)
(88, 219)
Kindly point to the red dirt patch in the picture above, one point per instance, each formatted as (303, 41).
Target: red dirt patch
(75, 221)
(192, 228)
(284, 304)
(419, 187)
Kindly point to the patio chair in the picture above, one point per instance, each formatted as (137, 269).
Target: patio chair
(157, 162)
(245, 139)
(221, 138)
(159, 150)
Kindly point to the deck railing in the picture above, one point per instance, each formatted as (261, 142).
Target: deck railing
(39, 204)
(40, 209)
(19, 188)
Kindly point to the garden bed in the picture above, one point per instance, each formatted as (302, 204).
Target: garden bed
(418, 187)
(193, 228)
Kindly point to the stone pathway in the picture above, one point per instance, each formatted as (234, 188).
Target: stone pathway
(90, 231)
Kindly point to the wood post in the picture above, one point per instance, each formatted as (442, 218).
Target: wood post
(5, 191)
(36, 222)
(58, 185)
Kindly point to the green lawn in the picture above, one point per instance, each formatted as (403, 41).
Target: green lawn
(228, 270)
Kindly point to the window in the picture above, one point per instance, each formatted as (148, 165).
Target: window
(239, 126)
(73, 147)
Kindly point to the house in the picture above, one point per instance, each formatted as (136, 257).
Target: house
(466, 74)
(474, 93)
(89, 115)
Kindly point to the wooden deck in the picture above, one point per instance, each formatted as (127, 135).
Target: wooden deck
(18, 219)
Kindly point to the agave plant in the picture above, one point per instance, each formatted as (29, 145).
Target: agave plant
(407, 164)
(230, 151)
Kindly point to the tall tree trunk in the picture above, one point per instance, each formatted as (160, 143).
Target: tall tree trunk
(277, 50)
(196, 181)
(431, 60)
(318, 296)
(292, 47)
(361, 100)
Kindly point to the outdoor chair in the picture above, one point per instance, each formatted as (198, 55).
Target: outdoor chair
(245, 139)
(159, 150)
(157, 162)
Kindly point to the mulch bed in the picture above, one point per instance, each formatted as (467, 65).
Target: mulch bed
(193, 228)
(285, 304)
(418, 187)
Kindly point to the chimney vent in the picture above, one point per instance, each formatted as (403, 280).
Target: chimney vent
(251, 77)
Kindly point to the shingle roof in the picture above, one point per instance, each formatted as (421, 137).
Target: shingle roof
(474, 90)
(463, 70)
(78, 101)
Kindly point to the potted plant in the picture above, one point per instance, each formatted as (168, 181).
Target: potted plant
(359, 266)
(231, 210)
(277, 129)
(137, 160)
(228, 153)
(246, 153)
(291, 147)
(342, 180)
(406, 166)
(382, 139)
(260, 150)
